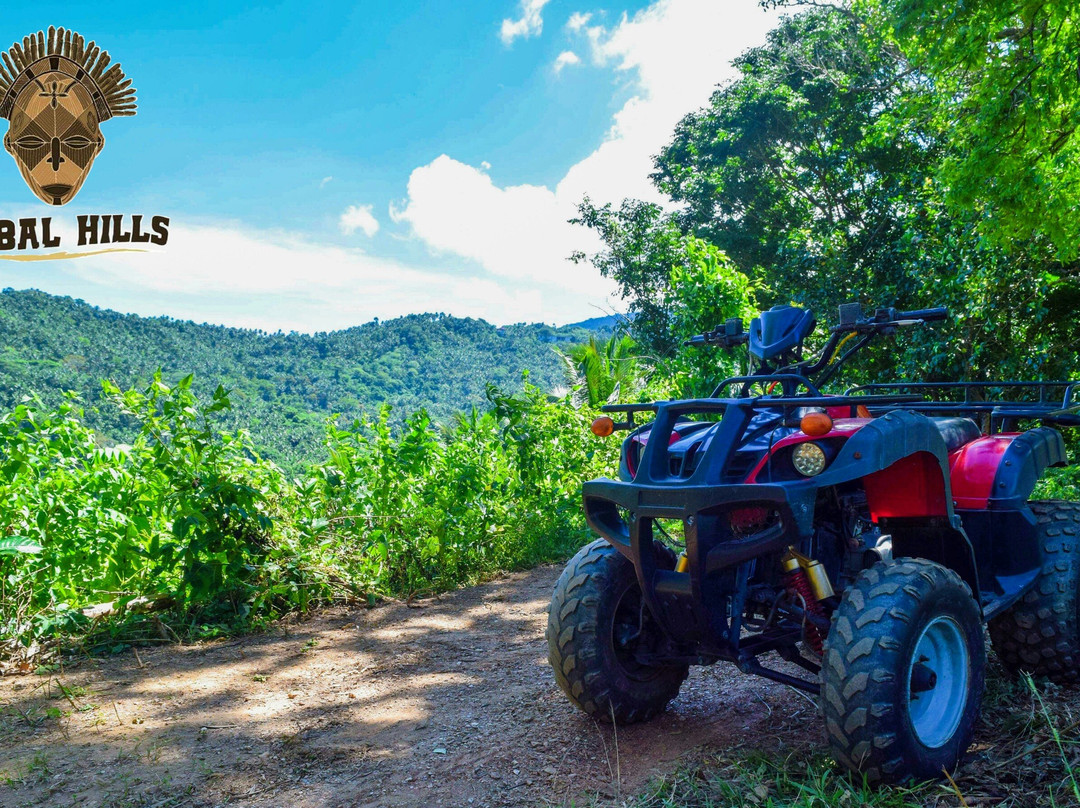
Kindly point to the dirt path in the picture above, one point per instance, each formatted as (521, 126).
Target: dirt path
(449, 704)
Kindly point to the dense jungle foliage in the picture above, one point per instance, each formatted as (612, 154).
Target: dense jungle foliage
(282, 386)
(189, 516)
(858, 157)
(892, 152)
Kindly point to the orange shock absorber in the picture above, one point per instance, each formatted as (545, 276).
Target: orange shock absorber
(800, 588)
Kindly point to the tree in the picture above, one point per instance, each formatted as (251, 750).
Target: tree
(707, 290)
(802, 171)
(603, 372)
(643, 243)
(819, 172)
(1005, 83)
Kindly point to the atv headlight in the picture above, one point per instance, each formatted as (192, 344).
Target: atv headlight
(809, 459)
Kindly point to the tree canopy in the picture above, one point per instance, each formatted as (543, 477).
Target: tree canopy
(284, 386)
(827, 171)
(1004, 81)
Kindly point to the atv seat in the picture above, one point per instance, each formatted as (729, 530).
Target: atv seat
(957, 432)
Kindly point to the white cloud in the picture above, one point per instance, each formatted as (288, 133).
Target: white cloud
(358, 217)
(577, 21)
(229, 274)
(517, 232)
(324, 181)
(565, 59)
(530, 24)
(673, 54)
(670, 55)
(676, 52)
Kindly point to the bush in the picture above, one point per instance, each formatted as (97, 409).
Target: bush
(191, 515)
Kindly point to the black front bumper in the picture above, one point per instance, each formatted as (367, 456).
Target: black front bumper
(697, 606)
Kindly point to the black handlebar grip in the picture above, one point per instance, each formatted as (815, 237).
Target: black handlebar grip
(940, 313)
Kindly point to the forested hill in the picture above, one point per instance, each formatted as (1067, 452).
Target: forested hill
(285, 385)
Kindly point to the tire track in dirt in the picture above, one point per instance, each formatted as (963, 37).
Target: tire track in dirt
(450, 703)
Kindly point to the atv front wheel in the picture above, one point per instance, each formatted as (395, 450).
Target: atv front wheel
(597, 628)
(902, 675)
(1040, 633)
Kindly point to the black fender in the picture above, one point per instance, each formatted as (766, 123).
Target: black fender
(1011, 556)
(885, 441)
(1022, 464)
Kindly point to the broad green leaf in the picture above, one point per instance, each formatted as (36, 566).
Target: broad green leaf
(13, 545)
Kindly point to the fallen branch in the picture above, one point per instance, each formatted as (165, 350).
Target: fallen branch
(140, 605)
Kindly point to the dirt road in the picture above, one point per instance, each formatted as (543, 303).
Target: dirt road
(450, 703)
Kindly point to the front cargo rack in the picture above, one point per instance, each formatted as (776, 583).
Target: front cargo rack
(999, 405)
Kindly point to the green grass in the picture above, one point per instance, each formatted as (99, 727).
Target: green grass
(1026, 754)
(803, 779)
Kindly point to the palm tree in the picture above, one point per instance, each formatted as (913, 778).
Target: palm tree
(601, 373)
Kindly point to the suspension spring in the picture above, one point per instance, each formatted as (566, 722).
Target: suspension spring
(798, 587)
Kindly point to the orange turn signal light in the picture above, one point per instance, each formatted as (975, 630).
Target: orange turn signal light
(816, 424)
(602, 426)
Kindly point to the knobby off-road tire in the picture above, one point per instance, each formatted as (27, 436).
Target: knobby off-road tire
(1040, 633)
(903, 627)
(597, 603)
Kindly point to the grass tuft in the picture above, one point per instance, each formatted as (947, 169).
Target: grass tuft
(1026, 754)
(805, 778)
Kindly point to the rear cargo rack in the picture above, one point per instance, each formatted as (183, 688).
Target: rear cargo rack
(1050, 402)
(996, 406)
(766, 402)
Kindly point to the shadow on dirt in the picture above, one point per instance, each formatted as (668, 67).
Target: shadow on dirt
(451, 703)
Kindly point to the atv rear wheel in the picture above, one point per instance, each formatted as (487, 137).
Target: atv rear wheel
(1040, 633)
(902, 675)
(597, 624)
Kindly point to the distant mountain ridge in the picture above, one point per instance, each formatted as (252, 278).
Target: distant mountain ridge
(604, 324)
(285, 385)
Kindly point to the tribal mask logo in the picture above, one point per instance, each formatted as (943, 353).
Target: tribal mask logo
(56, 90)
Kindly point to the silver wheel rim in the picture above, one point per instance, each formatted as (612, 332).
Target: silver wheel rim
(937, 682)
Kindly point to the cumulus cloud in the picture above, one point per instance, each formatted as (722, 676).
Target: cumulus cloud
(239, 276)
(578, 20)
(325, 180)
(565, 59)
(514, 236)
(529, 24)
(672, 54)
(358, 217)
(517, 232)
(675, 52)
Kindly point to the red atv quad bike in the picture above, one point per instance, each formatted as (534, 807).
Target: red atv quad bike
(863, 538)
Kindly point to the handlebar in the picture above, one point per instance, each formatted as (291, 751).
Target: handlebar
(884, 320)
(853, 322)
(927, 315)
(728, 335)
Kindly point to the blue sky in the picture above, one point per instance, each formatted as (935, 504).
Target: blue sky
(324, 163)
